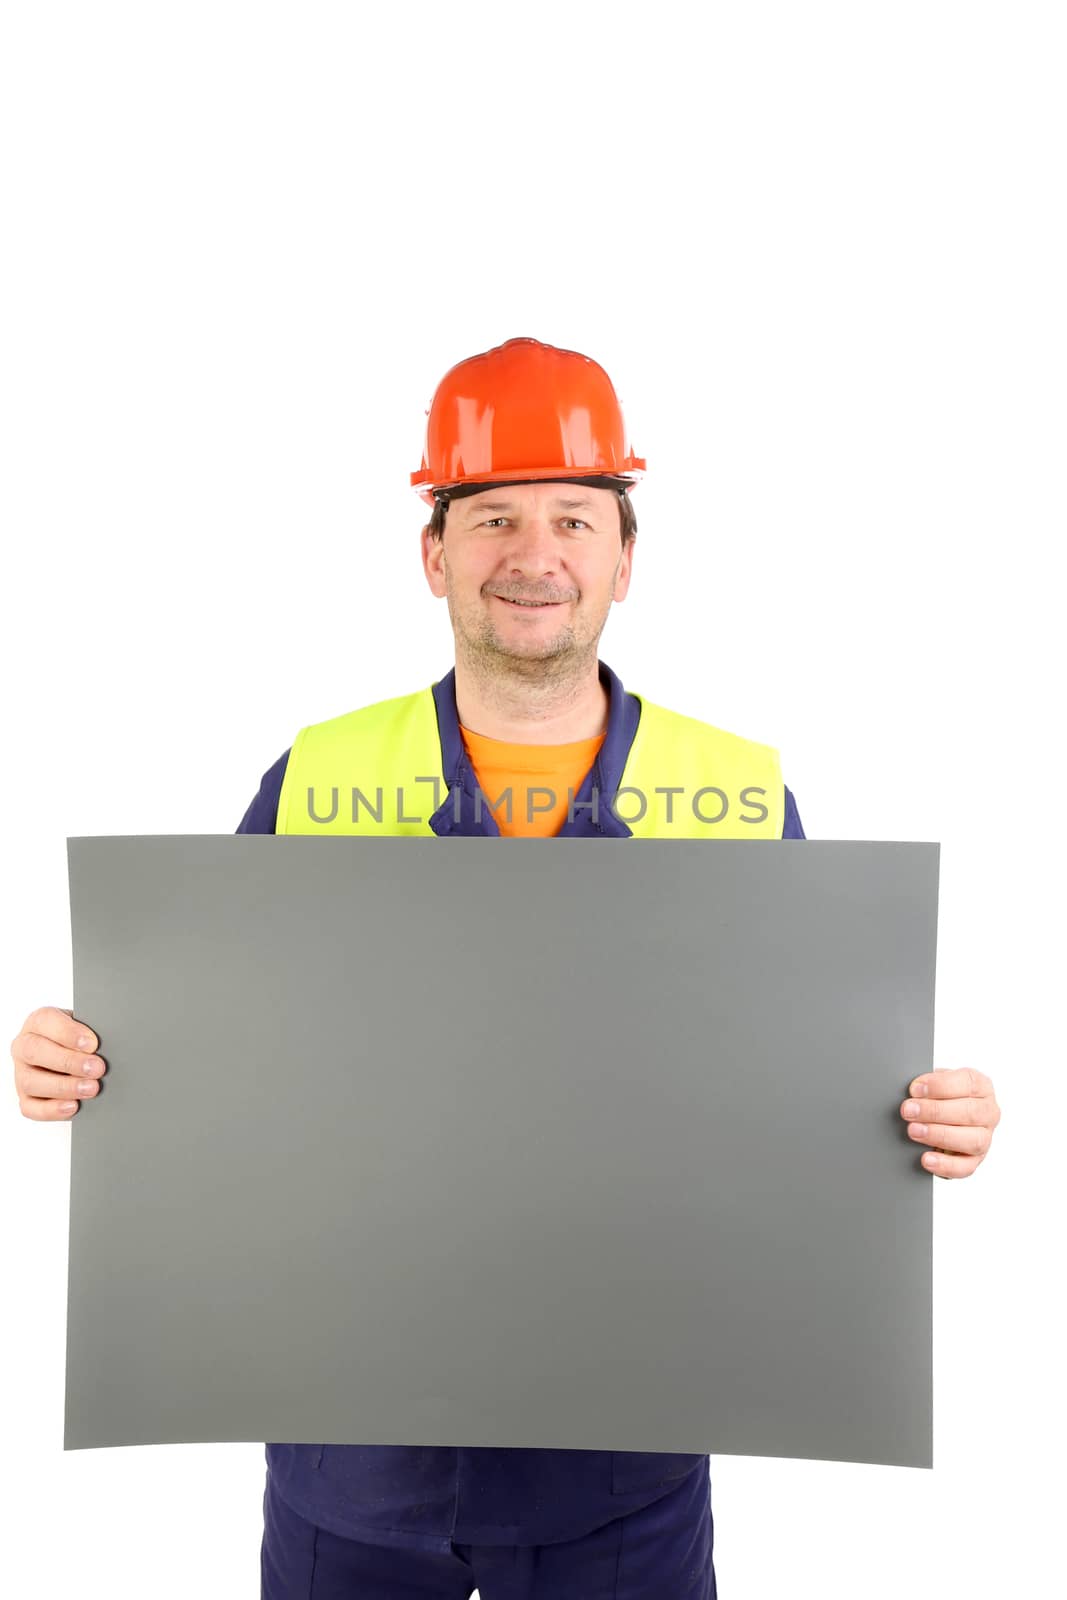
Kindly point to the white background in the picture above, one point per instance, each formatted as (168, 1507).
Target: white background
(820, 249)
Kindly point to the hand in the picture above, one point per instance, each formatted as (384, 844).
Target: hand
(955, 1113)
(53, 1070)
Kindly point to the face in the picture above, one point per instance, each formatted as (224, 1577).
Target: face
(554, 546)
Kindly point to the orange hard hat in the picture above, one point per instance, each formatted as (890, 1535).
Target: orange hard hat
(520, 412)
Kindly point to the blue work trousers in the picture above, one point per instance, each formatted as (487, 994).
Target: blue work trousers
(662, 1552)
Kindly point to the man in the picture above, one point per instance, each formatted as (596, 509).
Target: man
(530, 542)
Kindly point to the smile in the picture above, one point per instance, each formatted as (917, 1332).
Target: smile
(529, 605)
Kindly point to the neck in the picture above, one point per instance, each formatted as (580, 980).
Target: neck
(534, 709)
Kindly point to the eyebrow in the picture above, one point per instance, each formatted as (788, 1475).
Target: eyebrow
(509, 505)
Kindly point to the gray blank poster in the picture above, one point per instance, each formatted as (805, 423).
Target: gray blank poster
(563, 1144)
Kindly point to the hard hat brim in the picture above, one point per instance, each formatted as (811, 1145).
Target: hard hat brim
(627, 477)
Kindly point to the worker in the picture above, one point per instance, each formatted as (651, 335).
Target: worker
(531, 537)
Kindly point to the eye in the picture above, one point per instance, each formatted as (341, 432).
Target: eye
(492, 522)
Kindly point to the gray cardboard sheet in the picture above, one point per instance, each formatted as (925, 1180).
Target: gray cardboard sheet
(565, 1144)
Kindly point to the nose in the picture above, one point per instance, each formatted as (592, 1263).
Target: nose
(532, 550)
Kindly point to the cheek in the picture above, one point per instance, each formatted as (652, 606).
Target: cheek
(597, 583)
(461, 569)
(481, 567)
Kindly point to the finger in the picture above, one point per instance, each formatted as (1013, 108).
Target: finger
(947, 1083)
(942, 1165)
(62, 1026)
(48, 1096)
(37, 1084)
(48, 1110)
(37, 1050)
(973, 1113)
(965, 1141)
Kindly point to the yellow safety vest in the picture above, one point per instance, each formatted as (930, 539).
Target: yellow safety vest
(379, 770)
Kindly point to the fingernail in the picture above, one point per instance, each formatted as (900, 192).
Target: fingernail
(85, 1042)
(87, 1086)
(920, 1088)
(919, 1129)
(911, 1108)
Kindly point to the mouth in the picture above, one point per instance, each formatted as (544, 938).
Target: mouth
(529, 605)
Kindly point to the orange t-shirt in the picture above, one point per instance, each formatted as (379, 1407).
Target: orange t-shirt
(526, 769)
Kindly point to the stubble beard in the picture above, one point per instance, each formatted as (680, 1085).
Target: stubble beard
(493, 659)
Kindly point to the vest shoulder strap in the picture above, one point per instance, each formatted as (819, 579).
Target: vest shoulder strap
(374, 770)
(725, 787)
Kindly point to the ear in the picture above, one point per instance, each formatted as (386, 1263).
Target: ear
(622, 576)
(433, 559)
